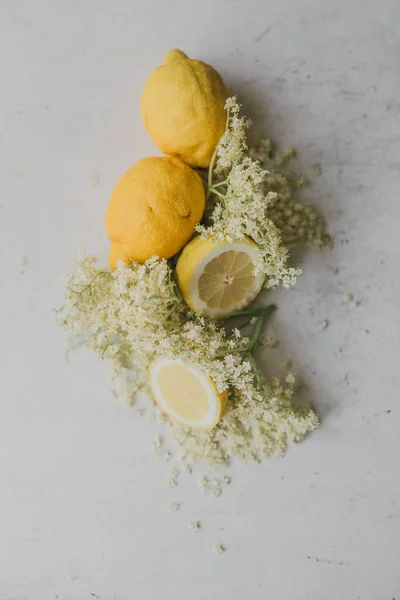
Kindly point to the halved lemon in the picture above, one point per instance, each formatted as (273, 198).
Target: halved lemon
(216, 278)
(186, 394)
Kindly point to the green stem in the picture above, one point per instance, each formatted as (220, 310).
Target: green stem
(177, 329)
(89, 285)
(217, 185)
(104, 350)
(249, 353)
(257, 374)
(210, 172)
(256, 333)
(214, 191)
(171, 310)
(177, 294)
(213, 160)
(245, 324)
(266, 311)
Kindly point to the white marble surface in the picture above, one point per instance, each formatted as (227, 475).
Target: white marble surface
(83, 500)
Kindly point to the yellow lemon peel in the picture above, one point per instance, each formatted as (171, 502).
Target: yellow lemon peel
(183, 108)
(153, 210)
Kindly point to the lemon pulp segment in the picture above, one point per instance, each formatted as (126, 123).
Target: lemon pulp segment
(186, 394)
(226, 280)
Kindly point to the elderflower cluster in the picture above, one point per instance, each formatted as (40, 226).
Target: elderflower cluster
(250, 430)
(297, 222)
(214, 486)
(241, 209)
(233, 143)
(258, 203)
(122, 315)
(134, 314)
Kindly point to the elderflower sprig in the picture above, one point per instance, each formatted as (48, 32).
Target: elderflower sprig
(241, 209)
(122, 314)
(233, 144)
(126, 316)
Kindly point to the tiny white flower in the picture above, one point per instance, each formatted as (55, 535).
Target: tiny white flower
(194, 526)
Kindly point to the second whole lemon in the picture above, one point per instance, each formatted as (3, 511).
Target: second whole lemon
(153, 210)
(183, 108)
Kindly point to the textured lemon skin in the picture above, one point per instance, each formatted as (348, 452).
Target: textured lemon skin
(153, 210)
(189, 260)
(183, 108)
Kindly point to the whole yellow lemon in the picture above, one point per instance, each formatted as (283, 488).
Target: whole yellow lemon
(153, 210)
(183, 108)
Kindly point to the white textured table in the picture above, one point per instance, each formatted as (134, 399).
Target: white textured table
(83, 500)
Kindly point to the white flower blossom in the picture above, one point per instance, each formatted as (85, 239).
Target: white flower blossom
(233, 143)
(135, 314)
(194, 526)
(125, 316)
(242, 210)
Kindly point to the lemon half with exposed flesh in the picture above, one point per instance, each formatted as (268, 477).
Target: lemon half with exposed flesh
(186, 394)
(216, 278)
